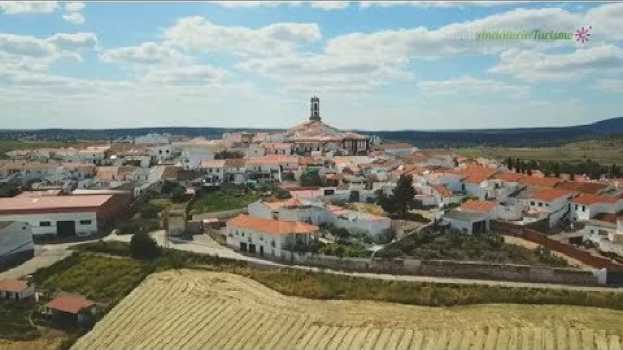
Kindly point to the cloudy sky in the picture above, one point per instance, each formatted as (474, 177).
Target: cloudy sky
(375, 65)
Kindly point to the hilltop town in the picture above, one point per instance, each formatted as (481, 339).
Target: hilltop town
(313, 196)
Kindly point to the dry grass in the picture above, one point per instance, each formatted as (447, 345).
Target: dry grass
(606, 151)
(188, 309)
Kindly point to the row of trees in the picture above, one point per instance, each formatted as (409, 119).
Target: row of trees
(591, 168)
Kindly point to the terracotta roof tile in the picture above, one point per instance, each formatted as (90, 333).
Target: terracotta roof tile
(68, 303)
(15, 286)
(475, 174)
(273, 227)
(550, 194)
(539, 181)
(478, 206)
(585, 187)
(588, 199)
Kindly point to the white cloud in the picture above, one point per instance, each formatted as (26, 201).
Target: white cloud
(25, 7)
(248, 4)
(74, 18)
(614, 86)
(199, 34)
(534, 66)
(25, 45)
(73, 12)
(145, 53)
(456, 38)
(73, 41)
(324, 72)
(329, 5)
(443, 4)
(186, 75)
(74, 6)
(469, 86)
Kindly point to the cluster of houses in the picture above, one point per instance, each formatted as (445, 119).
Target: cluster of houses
(76, 191)
(64, 308)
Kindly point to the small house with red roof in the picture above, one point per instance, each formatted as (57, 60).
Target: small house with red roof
(547, 203)
(268, 237)
(71, 308)
(16, 289)
(293, 209)
(586, 206)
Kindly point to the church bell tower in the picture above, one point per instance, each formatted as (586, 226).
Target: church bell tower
(315, 109)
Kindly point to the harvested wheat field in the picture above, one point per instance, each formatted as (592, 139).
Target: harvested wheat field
(207, 310)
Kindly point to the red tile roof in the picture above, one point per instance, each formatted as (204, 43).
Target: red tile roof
(476, 174)
(588, 199)
(539, 181)
(273, 227)
(550, 194)
(15, 286)
(585, 187)
(478, 206)
(71, 304)
(508, 177)
(443, 190)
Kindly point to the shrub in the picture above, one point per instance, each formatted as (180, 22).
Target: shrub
(149, 211)
(142, 246)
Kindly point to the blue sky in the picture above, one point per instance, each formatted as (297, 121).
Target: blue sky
(375, 65)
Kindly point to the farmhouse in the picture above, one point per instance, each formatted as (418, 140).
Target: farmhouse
(468, 222)
(587, 206)
(292, 209)
(15, 242)
(16, 289)
(62, 216)
(71, 308)
(267, 236)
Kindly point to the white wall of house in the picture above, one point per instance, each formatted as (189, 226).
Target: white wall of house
(588, 211)
(360, 222)
(24, 294)
(15, 238)
(312, 214)
(46, 223)
(509, 210)
(161, 152)
(271, 245)
(475, 190)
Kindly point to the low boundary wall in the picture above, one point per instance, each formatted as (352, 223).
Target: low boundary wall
(446, 268)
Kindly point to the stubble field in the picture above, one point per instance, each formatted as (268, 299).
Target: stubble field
(191, 309)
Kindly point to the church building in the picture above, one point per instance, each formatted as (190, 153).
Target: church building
(316, 136)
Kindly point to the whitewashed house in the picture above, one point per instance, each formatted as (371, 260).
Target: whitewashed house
(547, 203)
(16, 289)
(290, 210)
(587, 206)
(268, 237)
(358, 222)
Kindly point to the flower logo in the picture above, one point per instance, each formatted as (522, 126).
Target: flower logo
(583, 34)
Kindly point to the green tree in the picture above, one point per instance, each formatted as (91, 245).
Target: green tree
(403, 194)
(311, 178)
(142, 246)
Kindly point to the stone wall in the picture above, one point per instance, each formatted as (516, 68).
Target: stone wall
(446, 268)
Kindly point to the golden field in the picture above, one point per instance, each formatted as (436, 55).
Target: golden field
(191, 309)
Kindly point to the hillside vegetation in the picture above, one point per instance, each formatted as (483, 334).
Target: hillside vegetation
(608, 150)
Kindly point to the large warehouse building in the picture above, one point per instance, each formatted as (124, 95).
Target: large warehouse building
(62, 216)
